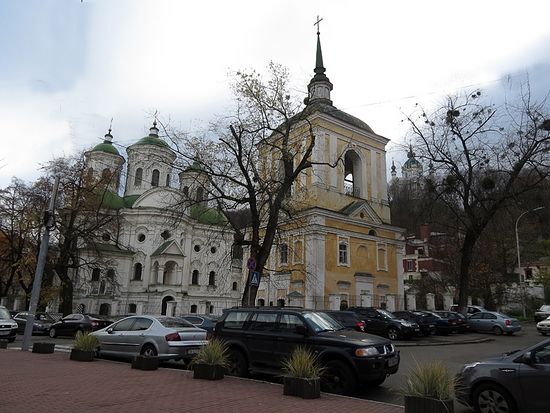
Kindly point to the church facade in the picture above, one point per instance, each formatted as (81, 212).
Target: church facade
(345, 251)
(168, 260)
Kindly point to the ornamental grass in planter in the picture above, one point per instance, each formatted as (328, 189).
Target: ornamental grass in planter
(302, 374)
(430, 389)
(84, 347)
(211, 361)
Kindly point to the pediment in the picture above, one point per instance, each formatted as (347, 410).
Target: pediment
(362, 210)
(163, 198)
(168, 248)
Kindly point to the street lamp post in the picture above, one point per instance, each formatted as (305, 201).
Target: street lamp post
(517, 248)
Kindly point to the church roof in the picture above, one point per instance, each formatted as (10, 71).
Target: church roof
(107, 145)
(114, 201)
(336, 113)
(207, 215)
(153, 138)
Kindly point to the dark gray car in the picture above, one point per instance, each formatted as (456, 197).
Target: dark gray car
(514, 382)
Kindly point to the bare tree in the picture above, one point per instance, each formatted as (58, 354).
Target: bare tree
(485, 158)
(252, 160)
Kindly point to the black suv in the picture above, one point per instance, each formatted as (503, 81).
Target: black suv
(259, 339)
(384, 323)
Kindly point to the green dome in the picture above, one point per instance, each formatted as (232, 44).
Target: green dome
(107, 147)
(153, 138)
(412, 163)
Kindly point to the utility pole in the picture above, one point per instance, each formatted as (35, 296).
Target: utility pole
(48, 226)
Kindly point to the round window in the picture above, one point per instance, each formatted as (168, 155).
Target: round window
(165, 234)
(213, 250)
(141, 237)
(106, 236)
(197, 248)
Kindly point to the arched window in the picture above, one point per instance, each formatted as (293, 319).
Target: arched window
(343, 253)
(280, 302)
(195, 277)
(132, 308)
(200, 195)
(212, 278)
(138, 177)
(210, 309)
(283, 254)
(155, 178)
(186, 190)
(234, 286)
(138, 268)
(104, 309)
(95, 274)
(168, 180)
(193, 309)
(261, 302)
(352, 174)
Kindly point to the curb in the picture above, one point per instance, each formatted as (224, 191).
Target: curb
(444, 343)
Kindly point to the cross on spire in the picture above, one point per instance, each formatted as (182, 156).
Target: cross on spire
(317, 24)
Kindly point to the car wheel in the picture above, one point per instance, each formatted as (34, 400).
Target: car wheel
(238, 366)
(491, 398)
(53, 333)
(149, 350)
(497, 330)
(338, 378)
(393, 333)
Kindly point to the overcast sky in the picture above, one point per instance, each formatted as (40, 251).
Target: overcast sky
(67, 67)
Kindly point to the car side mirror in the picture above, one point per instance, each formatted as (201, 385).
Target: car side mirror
(110, 331)
(300, 329)
(527, 358)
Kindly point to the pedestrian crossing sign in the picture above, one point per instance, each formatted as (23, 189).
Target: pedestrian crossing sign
(255, 279)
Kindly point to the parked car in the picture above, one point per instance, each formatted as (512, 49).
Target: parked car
(443, 325)
(206, 322)
(544, 326)
(461, 322)
(425, 320)
(514, 382)
(8, 326)
(384, 323)
(348, 319)
(493, 322)
(542, 313)
(41, 325)
(472, 309)
(260, 339)
(159, 336)
(76, 324)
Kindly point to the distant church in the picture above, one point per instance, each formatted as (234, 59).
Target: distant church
(348, 253)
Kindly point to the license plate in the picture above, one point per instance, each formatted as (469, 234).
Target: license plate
(4, 333)
(392, 362)
(431, 325)
(193, 351)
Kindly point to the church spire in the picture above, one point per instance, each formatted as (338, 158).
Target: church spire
(319, 87)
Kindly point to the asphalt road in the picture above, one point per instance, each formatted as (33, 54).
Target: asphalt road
(453, 355)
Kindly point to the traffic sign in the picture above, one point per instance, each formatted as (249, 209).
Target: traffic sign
(251, 264)
(255, 279)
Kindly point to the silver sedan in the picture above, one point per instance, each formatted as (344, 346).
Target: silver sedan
(165, 337)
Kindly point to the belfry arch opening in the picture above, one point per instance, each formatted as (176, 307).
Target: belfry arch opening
(353, 171)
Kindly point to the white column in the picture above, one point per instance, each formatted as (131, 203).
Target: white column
(366, 300)
(469, 300)
(390, 302)
(333, 156)
(315, 268)
(139, 308)
(16, 303)
(411, 302)
(373, 176)
(171, 308)
(448, 299)
(430, 301)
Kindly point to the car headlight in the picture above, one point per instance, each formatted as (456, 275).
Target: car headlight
(365, 352)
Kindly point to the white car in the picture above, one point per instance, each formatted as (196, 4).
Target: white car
(544, 326)
(8, 326)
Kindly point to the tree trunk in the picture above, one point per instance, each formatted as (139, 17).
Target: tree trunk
(66, 296)
(465, 261)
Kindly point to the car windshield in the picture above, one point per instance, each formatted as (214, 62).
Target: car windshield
(44, 317)
(172, 322)
(322, 322)
(4, 314)
(545, 308)
(387, 314)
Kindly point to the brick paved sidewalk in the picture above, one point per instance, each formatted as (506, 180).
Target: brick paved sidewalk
(52, 383)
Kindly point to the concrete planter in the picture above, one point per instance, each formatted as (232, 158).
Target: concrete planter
(43, 348)
(145, 363)
(300, 387)
(417, 404)
(81, 355)
(208, 371)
